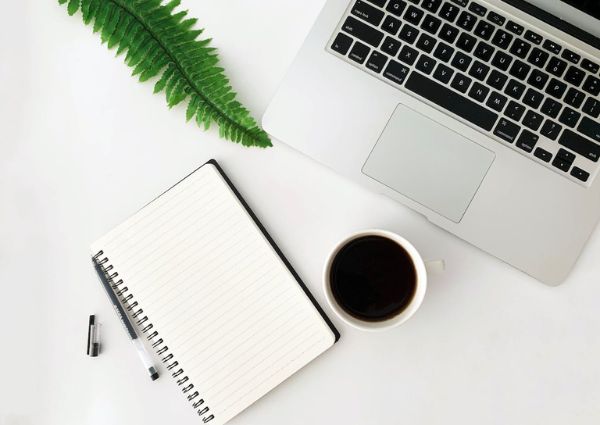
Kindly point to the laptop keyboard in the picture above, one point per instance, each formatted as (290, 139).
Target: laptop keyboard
(501, 77)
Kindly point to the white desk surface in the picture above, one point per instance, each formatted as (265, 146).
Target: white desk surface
(82, 146)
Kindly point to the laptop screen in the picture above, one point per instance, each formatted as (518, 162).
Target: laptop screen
(590, 7)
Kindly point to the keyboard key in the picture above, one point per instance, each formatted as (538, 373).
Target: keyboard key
(443, 52)
(396, 72)
(466, 42)
(376, 61)
(408, 55)
(561, 164)
(379, 3)
(533, 37)
(408, 33)
(483, 51)
(514, 27)
(477, 9)
(391, 25)
(443, 73)
(391, 46)
(431, 5)
(580, 174)
(533, 120)
(514, 89)
(448, 33)
(592, 107)
(367, 12)
(461, 82)
(520, 48)
(396, 7)
(425, 64)
(478, 92)
(342, 43)
(359, 52)
(574, 75)
(461, 61)
(496, 101)
(362, 31)
(507, 130)
(501, 60)
(543, 154)
(449, 12)
(426, 43)
(590, 128)
(538, 57)
(519, 70)
(497, 80)
(462, 3)
(413, 15)
(466, 20)
(570, 56)
(551, 107)
(592, 85)
(533, 98)
(496, 19)
(448, 99)
(580, 145)
(502, 39)
(566, 155)
(431, 24)
(538, 79)
(551, 130)
(569, 117)
(556, 67)
(556, 88)
(484, 30)
(514, 110)
(590, 66)
(527, 141)
(574, 97)
(552, 46)
(479, 70)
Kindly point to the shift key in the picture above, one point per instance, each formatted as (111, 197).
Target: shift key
(581, 145)
(590, 128)
(362, 31)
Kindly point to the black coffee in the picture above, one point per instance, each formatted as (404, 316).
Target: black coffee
(373, 278)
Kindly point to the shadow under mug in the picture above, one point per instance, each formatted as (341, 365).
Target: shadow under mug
(422, 268)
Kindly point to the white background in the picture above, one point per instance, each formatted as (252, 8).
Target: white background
(83, 146)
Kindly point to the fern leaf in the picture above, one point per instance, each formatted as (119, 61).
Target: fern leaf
(162, 42)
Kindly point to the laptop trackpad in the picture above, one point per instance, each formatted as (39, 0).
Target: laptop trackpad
(428, 163)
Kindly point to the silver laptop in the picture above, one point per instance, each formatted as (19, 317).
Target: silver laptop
(480, 115)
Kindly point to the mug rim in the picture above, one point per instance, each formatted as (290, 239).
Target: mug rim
(408, 311)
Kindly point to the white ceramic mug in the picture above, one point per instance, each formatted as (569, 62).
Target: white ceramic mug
(421, 268)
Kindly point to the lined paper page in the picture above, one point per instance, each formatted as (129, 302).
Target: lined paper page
(222, 299)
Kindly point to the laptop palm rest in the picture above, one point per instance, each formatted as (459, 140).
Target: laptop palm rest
(428, 163)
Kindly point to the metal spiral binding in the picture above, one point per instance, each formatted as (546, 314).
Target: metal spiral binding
(158, 344)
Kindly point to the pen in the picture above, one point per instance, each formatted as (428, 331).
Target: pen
(139, 346)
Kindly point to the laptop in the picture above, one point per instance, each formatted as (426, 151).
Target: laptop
(482, 115)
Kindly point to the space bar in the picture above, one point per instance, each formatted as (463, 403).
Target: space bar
(450, 100)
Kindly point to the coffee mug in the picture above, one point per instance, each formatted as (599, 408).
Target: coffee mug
(406, 294)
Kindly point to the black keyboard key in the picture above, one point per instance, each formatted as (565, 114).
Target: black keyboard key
(570, 56)
(592, 85)
(461, 82)
(574, 97)
(533, 37)
(359, 52)
(483, 51)
(556, 66)
(431, 24)
(396, 72)
(552, 46)
(448, 33)
(538, 79)
(543, 154)
(551, 107)
(408, 33)
(449, 12)
(376, 61)
(379, 3)
(514, 89)
(556, 88)
(426, 43)
(396, 7)
(580, 174)
(496, 19)
(574, 75)
(533, 98)
(520, 48)
(443, 52)
(408, 55)
(502, 39)
(367, 12)
(533, 120)
(461, 61)
(425, 64)
(561, 164)
(514, 111)
(484, 30)
(590, 66)
(592, 107)
(443, 73)
(497, 80)
(569, 117)
(391, 46)
(448, 99)
(477, 9)
(479, 70)
(342, 43)
(431, 5)
(527, 141)
(362, 31)
(519, 70)
(391, 25)
(566, 155)
(463, 3)
(466, 20)
(507, 130)
(466, 42)
(590, 128)
(551, 130)
(580, 145)
(501, 60)
(538, 57)
(478, 92)
(496, 101)
(514, 27)
(413, 15)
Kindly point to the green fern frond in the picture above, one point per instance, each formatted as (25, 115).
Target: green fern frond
(162, 43)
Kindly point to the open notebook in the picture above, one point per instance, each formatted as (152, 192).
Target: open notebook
(215, 297)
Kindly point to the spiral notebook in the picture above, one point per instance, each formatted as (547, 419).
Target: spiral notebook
(214, 296)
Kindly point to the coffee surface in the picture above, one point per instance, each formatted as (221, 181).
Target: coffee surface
(373, 278)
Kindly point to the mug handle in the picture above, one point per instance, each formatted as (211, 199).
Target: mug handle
(435, 266)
